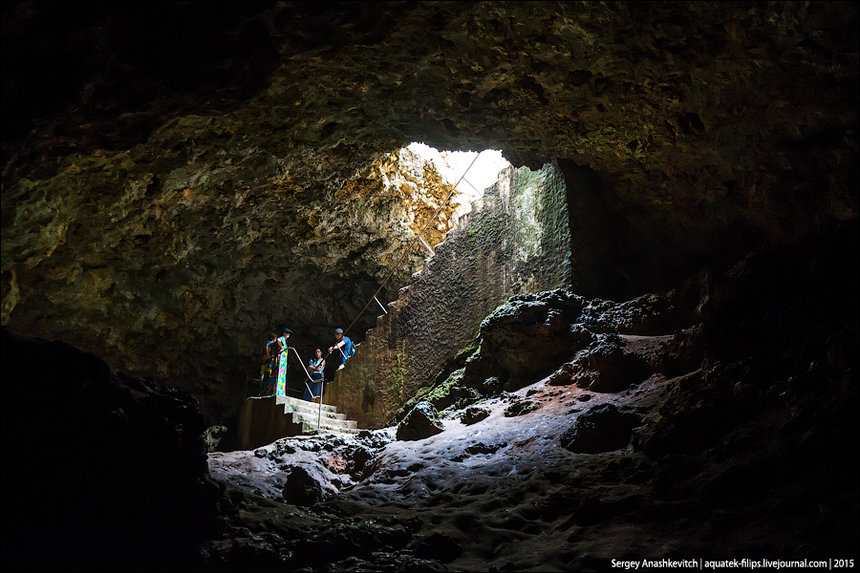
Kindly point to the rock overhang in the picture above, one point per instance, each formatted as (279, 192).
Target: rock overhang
(687, 132)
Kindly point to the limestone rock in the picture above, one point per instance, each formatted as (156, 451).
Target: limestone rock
(608, 367)
(302, 488)
(525, 338)
(514, 240)
(212, 437)
(451, 392)
(438, 546)
(562, 376)
(473, 415)
(422, 422)
(521, 407)
(602, 429)
(150, 198)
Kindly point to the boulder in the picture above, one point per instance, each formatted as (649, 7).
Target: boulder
(473, 415)
(607, 367)
(302, 488)
(521, 407)
(421, 422)
(601, 429)
(524, 339)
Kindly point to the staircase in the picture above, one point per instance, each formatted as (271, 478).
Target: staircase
(307, 413)
(264, 419)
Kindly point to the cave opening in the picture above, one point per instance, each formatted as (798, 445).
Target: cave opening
(433, 190)
(179, 179)
(452, 165)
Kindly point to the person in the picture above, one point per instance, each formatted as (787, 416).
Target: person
(282, 349)
(316, 366)
(267, 369)
(344, 345)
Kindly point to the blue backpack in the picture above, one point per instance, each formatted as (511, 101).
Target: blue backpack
(349, 347)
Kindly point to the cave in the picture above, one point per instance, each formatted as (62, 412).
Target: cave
(636, 349)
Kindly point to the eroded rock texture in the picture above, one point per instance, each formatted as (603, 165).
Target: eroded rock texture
(516, 239)
(179, 180)
(729, 446)
(721, 450)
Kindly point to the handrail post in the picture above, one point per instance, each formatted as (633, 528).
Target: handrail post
(426, 246)
(380, 304)
(319, 413)
(311, 392)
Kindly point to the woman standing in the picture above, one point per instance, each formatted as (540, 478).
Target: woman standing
(316, 367)
(281, 384)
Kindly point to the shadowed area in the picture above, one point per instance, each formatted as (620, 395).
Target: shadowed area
(639, 342)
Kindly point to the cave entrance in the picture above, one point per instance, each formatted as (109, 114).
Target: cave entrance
(420, 178)
(451, 165)
(436, 189)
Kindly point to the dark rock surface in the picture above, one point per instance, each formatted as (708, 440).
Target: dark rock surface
(757, 439)
(738, 457)
(110, 468)
(178, 180)
(301, 488)
(606, 367)
(526, 337)
(600, 429)
(520, 407)
(421, 422)
(473, 415)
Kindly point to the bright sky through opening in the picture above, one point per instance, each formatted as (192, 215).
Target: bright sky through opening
(452, 164)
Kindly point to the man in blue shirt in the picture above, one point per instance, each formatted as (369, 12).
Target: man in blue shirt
(344, 345)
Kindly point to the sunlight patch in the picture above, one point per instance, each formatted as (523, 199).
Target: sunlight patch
(452, 164)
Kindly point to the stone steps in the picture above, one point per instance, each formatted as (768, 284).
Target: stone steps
(307, 414)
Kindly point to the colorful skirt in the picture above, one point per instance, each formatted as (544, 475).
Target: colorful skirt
(281, 385)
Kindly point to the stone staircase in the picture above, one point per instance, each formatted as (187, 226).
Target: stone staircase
(307, 413)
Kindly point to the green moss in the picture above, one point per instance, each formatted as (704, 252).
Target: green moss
(397, 384)
(447, 389)
(440, 395)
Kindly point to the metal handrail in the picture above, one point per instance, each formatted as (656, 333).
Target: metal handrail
(322, 386)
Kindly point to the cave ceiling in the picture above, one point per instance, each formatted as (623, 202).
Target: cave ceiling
(180, 178)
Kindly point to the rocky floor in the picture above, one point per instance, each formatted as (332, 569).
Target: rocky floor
(493, 494)
(726, 432)
(715, 422)
(553, 478)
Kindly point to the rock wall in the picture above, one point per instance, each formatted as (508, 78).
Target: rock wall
(263, 420)
(110, 470)
(516, 240)
(163, 208)
(123, 276)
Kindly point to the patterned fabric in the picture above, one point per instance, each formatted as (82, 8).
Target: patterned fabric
(281, 385)
(267, 372)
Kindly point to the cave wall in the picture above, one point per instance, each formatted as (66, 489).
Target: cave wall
(515, 240)
(110, 471)
(178, 180)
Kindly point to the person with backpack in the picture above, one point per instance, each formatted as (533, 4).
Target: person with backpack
(344, 345)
